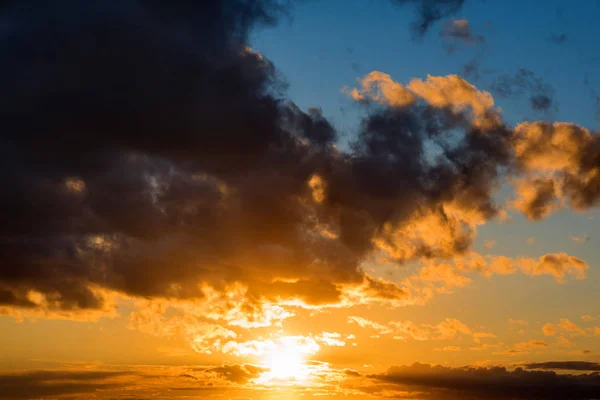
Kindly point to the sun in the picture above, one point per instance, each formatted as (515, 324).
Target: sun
(286, 361)
(286, 364)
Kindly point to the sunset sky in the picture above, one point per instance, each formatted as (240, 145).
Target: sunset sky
(294, 199)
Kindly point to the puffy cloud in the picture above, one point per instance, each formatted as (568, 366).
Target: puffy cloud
(558, 162)
(380, 87)
(448, 275)
(438, 382)
(565, 325)
(204, 187)
(537, 198)
(445, 92)
(559, 265)
(226, 183)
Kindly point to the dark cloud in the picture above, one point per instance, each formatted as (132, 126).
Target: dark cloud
(147, 148)
(238, 373)
(37, 384)
(558, 38)
(351, 372)
(459, 32)
(567, 365)
(437, 382)
(430, 11)
(525, 82)
(154, 125)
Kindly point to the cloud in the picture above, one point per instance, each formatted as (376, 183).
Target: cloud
(581, 239)
(556, 160)
(558, 38)
(565, 325)
(238, 373)
(445, 92)
(331, 339)
(437, 382)
(448, 348)
(202, 174)
(541, 95)
(430, 12)
(566, 365)
(537, 198)
(532, 344)
(488, 244)
(516, 322)
(459, 32)
(365, 323)
(558, 265)
(36, 384)
(205, 191)
(477, 336)
(447, 329)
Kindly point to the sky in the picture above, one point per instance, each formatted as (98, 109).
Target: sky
(269, 199)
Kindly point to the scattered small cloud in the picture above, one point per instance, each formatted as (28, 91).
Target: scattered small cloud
(458, 32)
(581, 239)
(488, 244)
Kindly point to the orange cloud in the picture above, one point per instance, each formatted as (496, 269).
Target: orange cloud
(451, 92)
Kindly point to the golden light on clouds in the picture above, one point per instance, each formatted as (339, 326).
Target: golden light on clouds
(192, 209)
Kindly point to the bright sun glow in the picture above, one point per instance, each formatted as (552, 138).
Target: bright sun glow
(286, 360)
(287, 363)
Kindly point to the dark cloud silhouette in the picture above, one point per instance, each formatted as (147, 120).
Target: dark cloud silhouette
(238, 373)
(148, 148)
(430, 11)
(567, 365)
(38, 384)
(525, 82)
(437, 382)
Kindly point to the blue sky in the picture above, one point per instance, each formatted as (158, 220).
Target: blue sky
(329, 43)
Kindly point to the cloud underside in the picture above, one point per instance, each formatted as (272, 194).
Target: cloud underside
(155, 156)
(437, 382)
(422, 381)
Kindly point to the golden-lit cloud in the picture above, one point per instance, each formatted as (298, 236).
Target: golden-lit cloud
(565, 326)
(451, 92)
